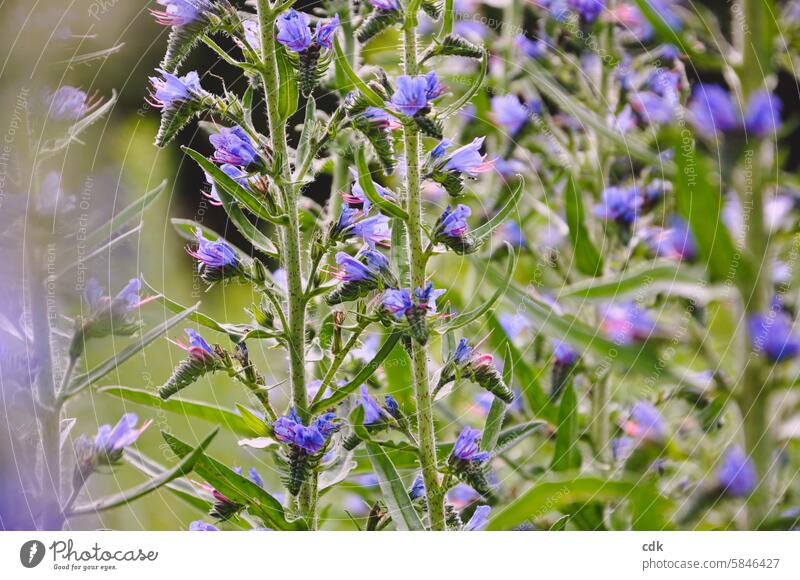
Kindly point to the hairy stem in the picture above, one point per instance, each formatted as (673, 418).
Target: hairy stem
(419, 357)
(290, 235)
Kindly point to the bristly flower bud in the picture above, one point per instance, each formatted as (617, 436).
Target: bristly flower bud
(375, 418)
(179, 98)
(451, 229)
(201, 360)
(477, 367)
(398, 303)
(469, 463)
(216, 260)
(106, 448)
(376, 125)
(453, 45)
(189, 20)
(359, 276)
(449, 169)
(385, 13)
(564, 360)
(295, 34)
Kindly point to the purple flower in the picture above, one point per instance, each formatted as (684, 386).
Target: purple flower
(466, 446)
(651, 108)
(351, 269)
(385, 4)
(535, 48)
(646, 423)
(345, 222)
(293, 30)
(358, 197)
(417, 488)
(232, 145)
(179, 12)
(309, 439)
(588, 10)
(467, 159)
(454, 222)
(563, 354)
(427, 297)
(197, 347)
(325, 31)
(285, 427)
(713, 110)
(325, 424)
(171, 89)
(510, 113)
(214, 255)
(392, 407)
(373, 230)
(372, 411)
(289, 429)
(479, 519)
(736, 475)
(619, 204)
(771, 334)
(238, 175)
(463, 352)
(762, 117)
(68, 104)
(673, 243)
(397, 302)
(433, 88)
(201, 526)
(110, 442)
(380, 118)
(461, 496)
(411, 95)
(625, 323)
(514, 325)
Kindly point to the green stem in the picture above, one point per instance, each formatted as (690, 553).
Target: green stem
(339, 359)
(290, 234)
(416, 253)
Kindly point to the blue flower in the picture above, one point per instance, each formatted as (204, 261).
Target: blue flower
(564, 354)
(234, 146)
(463, 352)
(392, 407)
(294, 31)
(197, 346)
(110, 442)
(385, 4)
(588, 10)
(380, 118)
(646, 423)
(67, 104)
(179, 12)
(673, 243)
(535, 48)
(309, 439)
(325, 31)
(454, 222)
(289, 429)
(510, 113)
(736, 475)
(346, 219)
(713, 110)
(433, 88)
(652, 109)
(285, 427)
(479, 519)
(762, 117)
(215, 254)
(411, 95)
(201, 526)
(619, 204)
(626, 323)
(325, 424)
(235, 173)
(427, 297)
(171, 90)
(397, 302)
(440, 149)
(417, 488)
(514, 325)
(467, 159)
(771, 334)
(351, 270)
(466, 446)
(373, 230)
(372, 411)
(358, 197)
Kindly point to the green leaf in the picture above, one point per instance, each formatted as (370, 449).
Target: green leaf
(288, 94)
(180, 487)
(342, 64)
(465, 318)
(513, 436)
(365, 181)
(366, 371)
(254, 423)
(237, 488)
(90, 377)
(470, 92)
(549, 496)
(482, 232)
(394, 492)
(127, 496)
(234, 190)
(497, 412)
(309, 124)
(567, 455)
(587, 259)
(200, 410)
(124, 216)
(247, 228)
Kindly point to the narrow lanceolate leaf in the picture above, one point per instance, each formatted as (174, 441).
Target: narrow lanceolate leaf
(342, 64)
(247, 228)
(83, 381)
(394, 491)
(123, 217)
(288, 93)
(497, 411)
(466, 318)
(197, 409)
(182, 468)
(552, 495)
(482, 232)
(365, 181)
(180, 487)
(237, 488)
(567, 455)
(341, 393)
(586, 257)
(513, 436)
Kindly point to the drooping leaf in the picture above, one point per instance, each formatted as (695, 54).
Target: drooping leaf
(180, 487)
(131, 212)
(567, 455)
(394, 492)
(587, 259)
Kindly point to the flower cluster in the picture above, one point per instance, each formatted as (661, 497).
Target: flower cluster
(201, 359)
(466, 363)
(415, 307)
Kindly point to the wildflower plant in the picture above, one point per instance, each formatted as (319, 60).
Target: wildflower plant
(547, 261)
